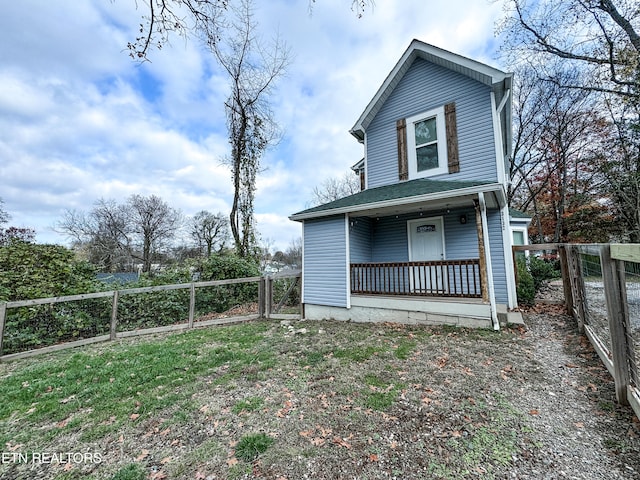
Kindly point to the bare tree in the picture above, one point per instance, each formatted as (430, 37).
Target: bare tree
(554, 168)
(336, 187)
(163, 18)
(621, 167)
(104, 233)
(209, 231)
(600, 40)
(599, 37)
(4, 215)
(154, 223)
(252, 69)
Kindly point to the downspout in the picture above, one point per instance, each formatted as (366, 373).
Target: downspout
(487, 249)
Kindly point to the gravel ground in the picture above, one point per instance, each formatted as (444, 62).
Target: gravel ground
(583, 432)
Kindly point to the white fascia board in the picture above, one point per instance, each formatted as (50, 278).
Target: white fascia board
(497, 140)
(490, 187)
(471, 68)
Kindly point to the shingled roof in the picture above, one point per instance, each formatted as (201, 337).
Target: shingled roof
(422, 189)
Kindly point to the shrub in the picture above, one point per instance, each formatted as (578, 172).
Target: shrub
(31, 270)
(525, 288)
(542, 270)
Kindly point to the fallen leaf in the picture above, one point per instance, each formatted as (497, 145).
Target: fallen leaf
(144, 454)
(204, 409)
(342, 442)
(68, 467)
(373, 457)
(442, 361)
(200, 476)
(165, 460)
(579, 424)
(533, 412)
(134, 416)
(317, 441)
(232, 461)
(159, 475)
(456, 433)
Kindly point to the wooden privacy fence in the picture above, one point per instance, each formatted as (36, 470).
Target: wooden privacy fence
(103, 316)
(602, 292)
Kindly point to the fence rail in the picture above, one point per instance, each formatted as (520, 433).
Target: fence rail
(29, 327)
(442, 278)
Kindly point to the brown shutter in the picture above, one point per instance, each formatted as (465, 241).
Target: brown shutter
(403, 163)
(452, 137)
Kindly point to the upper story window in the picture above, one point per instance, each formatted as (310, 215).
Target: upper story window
(426, 144)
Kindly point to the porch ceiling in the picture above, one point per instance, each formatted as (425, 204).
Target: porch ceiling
(426, 206)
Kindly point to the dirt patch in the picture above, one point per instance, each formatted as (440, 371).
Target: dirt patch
(343, 400)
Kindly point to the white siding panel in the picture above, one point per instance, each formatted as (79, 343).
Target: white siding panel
(325, 262)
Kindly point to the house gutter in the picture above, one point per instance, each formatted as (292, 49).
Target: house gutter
(487, 249)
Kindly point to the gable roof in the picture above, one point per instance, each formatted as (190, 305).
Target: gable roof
(397, 194)
(497, 79)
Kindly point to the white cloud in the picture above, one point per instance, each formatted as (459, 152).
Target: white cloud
(80, 121)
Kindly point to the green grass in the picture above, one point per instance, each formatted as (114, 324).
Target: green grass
(230, 395)
(109, 387)
(251, 446)
(248, 405)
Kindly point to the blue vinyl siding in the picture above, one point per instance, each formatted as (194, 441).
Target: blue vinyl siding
(426, 86)
(494, 220)
(360, 240)
(388, 242)
(325, 262)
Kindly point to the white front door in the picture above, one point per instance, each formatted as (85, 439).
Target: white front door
(426, 242)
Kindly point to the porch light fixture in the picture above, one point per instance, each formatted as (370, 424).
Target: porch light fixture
(463, 218)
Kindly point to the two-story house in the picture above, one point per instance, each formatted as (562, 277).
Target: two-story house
(428, 238)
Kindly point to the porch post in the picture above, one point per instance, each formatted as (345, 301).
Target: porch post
(487, 261)
(483, 259)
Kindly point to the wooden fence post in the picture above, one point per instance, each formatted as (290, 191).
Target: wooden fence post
(269, 297)
(3, 320)
(615, 294)
(114, 315)
(192, 304)
(261, 297)
(577, 285)
(566, 277)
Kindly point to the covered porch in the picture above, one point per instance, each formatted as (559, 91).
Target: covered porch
(426, 251)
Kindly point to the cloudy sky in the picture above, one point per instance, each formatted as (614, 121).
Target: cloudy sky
(80, 121)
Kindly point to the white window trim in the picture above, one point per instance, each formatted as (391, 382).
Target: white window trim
(443, 166)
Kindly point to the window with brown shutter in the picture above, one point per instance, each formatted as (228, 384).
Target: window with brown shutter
(428, 143)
